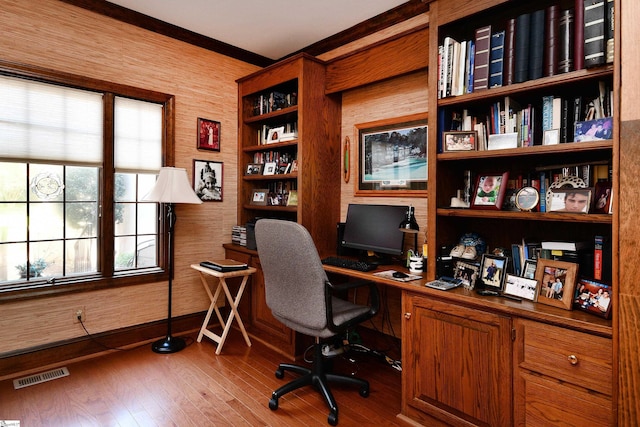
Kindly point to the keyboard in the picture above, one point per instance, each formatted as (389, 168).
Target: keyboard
(350, 264)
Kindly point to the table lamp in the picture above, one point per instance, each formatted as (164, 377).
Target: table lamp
(171, 187)
(410, 225)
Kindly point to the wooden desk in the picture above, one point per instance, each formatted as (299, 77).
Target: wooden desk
(233, 302)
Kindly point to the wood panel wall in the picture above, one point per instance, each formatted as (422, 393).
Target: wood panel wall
(61, 37)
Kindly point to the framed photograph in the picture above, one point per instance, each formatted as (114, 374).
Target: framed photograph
(493, 269)
(521, 287)
(254, 169)
(467, 272)
(602, 199)
(593, 130)
(274, 135)
(551, 137)
(593, 297)
(572, 200)
(529, 269)
(270, 168)
(459, 141)
(208, 135)
(259, 197)
(509, 203)
(393, 157)
(489, 191)
(556, 282)
(527, 198)
(207, 180)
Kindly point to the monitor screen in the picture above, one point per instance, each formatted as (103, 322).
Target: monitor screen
(375, 228)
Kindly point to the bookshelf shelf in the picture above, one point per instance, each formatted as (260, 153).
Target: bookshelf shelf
(526, 216)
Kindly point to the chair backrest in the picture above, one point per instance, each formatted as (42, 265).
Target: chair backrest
(293, 274)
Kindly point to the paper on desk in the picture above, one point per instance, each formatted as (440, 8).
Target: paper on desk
(388, 274)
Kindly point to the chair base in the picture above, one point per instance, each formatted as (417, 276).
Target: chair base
(318, 377)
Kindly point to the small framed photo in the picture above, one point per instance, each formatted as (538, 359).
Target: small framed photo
(270, 168)
(556, 281)
(489, 192)
(602, 200)
(529, 269)
(468, 272)
(459, 141)
(551, 137)
(259, 197)
(521, 287)
(254, 169)
(274, 134)
(593, 297)
(207, 180)
(572, 200)
(493, 269)
(208, 135)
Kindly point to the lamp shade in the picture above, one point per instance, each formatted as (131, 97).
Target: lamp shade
(409, 224)
(172, 186)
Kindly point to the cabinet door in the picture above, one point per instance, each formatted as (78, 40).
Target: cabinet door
(457, 366)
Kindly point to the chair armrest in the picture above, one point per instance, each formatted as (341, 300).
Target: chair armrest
(374, 305)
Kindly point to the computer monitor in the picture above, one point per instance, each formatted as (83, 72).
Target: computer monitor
(374, 229)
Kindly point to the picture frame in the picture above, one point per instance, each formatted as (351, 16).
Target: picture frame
(602, 199)
(459, 141)
(274, 135)
(208, 180)
(529, 269)
(270, 168)
(556, 282)
(489, 191)
(570, 200)
(593, 296)
(493, 270)
(259, 197)
(468, 272)
(551, 137)
(593, 130)
(208, 135)
(521, 287)
(254, 169)
(392, 157)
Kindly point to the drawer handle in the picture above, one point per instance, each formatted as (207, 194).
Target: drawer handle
(572, 359)
(407, 315)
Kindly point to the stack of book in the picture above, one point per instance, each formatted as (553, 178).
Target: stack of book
(239, 235)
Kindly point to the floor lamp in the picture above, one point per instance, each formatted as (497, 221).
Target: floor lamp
(171, 187)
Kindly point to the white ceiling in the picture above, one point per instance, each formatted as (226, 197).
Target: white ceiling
(271, 28)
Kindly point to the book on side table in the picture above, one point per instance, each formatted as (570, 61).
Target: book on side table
(224, 265)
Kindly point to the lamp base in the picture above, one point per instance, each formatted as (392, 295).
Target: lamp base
(168, 345)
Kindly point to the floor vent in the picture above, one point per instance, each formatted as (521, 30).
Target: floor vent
(40, 378)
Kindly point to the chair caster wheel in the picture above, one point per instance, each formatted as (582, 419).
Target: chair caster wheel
(280, 373)
(333, 419)
(273, 404)
(364, 392)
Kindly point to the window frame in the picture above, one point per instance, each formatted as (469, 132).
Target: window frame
(107, 277)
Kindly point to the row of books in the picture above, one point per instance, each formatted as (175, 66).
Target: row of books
(593, 257)
(273, 101)
(270, 134)
(278, 156)
(239, 235)
(575, 119)
(530, 46)
(282, 193)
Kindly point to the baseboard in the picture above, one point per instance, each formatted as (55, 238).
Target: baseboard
(36, 358)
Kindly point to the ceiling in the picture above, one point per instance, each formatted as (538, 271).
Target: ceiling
(270, 28)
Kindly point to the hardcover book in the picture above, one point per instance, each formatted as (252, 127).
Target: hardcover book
(609, 33)
(578, 38)
(566, 34)
(481, 60)
(536, 44)
(594, 32)
(552, 40)
(521, 73)
(509, 64)
(496, 57)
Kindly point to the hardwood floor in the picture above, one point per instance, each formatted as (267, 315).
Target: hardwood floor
(197, 388)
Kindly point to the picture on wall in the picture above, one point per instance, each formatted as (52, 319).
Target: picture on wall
(207, 180)
(208, 135)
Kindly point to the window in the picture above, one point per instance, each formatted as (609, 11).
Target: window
(67, 215)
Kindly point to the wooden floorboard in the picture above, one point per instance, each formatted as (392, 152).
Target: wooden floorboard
(197, 388)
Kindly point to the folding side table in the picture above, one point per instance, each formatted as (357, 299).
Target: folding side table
(233, 302)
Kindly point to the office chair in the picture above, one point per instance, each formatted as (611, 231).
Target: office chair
(300, 296)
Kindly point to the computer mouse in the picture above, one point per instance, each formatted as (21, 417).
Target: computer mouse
(399, 275)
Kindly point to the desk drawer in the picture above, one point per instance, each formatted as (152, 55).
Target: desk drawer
(576, 357)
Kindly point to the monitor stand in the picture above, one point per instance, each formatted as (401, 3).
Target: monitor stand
(376, 259)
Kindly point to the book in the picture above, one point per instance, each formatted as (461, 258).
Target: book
(536, 44)
(496, 57)
(597, 257)
(564, 121)
(521, 66)
(565, 245)
(481, 59)
(509, 63)
(552, 40)
(609, 32)
(594, 33)
(547, 112)
(471, 55)
(565, 48)
(224, 265)
(578, 35)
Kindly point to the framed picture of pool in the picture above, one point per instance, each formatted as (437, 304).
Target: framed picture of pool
(393, 157)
